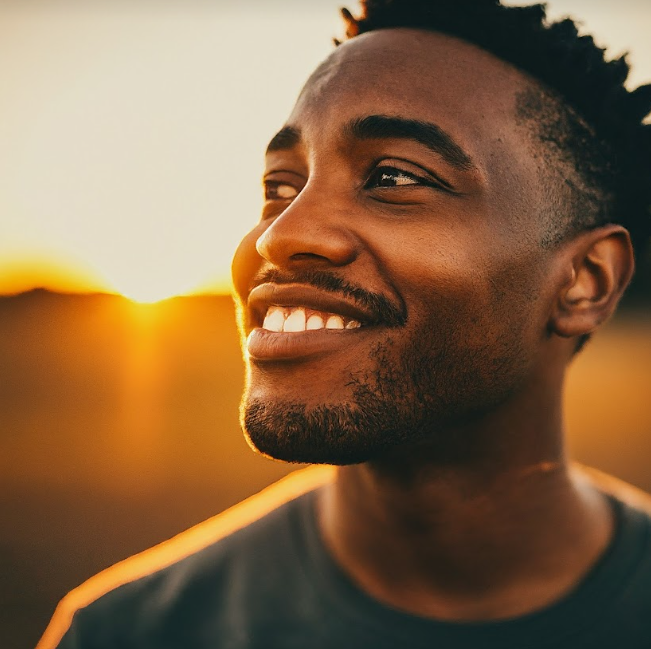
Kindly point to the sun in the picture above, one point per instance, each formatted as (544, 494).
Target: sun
(148, 291)
(146, 297)
(152, 289)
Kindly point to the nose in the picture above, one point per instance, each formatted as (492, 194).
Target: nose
(311, 230)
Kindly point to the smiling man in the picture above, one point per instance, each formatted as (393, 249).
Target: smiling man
(450, 212)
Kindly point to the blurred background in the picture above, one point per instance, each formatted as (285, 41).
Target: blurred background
(131, 140)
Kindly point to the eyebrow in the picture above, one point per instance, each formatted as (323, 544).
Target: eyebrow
(386, 127)
(287, 138)
(429, 135)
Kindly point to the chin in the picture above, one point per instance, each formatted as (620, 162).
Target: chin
(292, 432)
(369, 415)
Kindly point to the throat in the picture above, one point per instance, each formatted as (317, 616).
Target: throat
(443, 554)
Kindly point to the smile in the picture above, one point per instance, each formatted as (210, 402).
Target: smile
(297, 319)
(296, 308)
(291, 322)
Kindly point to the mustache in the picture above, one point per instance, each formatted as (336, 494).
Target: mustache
(383, 310)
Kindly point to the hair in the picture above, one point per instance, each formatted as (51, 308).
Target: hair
(583, 108)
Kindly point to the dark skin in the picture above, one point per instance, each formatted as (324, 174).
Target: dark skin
(478, 518)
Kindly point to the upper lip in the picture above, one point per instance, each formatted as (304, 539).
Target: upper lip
(270, 294)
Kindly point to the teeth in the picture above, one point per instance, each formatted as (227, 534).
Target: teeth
(335, 322)
(315, 322)
(295, 321)
(274, 320)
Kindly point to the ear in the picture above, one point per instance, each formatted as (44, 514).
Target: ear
(600, 265)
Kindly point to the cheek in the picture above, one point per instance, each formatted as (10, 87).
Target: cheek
(468, 296)
(445, 284)
(470, 329)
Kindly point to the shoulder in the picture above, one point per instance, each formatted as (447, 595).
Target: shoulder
(209, 543)
(626, 493)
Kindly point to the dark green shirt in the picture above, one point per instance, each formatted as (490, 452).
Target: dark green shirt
(273, 585)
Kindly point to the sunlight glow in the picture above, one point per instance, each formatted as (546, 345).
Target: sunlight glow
(147, 298)
(33, 268)
(144, 291)
(148, 288)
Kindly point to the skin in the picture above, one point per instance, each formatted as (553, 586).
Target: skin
(472, 514)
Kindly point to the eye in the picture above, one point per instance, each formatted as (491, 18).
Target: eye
(392, 177)
(275, 190)
(387, 176)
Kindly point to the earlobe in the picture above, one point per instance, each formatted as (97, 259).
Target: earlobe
(601, 268)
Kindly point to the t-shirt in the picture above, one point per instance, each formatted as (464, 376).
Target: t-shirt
(272, 584)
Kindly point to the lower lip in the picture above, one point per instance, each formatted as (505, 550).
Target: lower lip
(264, 345)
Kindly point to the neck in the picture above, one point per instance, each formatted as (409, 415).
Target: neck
(500, 535)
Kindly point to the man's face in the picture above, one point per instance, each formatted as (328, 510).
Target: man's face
(392, 291)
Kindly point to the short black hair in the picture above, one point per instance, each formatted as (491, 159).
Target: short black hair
(597, 121)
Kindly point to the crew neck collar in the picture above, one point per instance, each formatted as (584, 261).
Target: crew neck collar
(572, 614)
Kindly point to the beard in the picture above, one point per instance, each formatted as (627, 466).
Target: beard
(374, 417)
(417, 393)
(418, 399)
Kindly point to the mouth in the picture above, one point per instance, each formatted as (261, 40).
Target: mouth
(295, 308)
(289, 321)
(299, 318)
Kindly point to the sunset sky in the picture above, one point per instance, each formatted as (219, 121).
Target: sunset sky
(132, 132)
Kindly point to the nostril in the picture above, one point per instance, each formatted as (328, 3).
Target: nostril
(308, 256)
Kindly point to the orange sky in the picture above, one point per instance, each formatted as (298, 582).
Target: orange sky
(132, 133)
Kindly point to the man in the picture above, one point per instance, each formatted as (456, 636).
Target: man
(450, 212)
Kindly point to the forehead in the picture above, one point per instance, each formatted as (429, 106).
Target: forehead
(415, 74)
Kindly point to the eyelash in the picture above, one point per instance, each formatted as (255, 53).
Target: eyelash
(387, 171)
